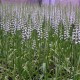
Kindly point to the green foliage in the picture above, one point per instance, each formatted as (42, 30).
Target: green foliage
(51, 59)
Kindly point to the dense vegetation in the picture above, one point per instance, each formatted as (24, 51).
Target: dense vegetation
(39, 53)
